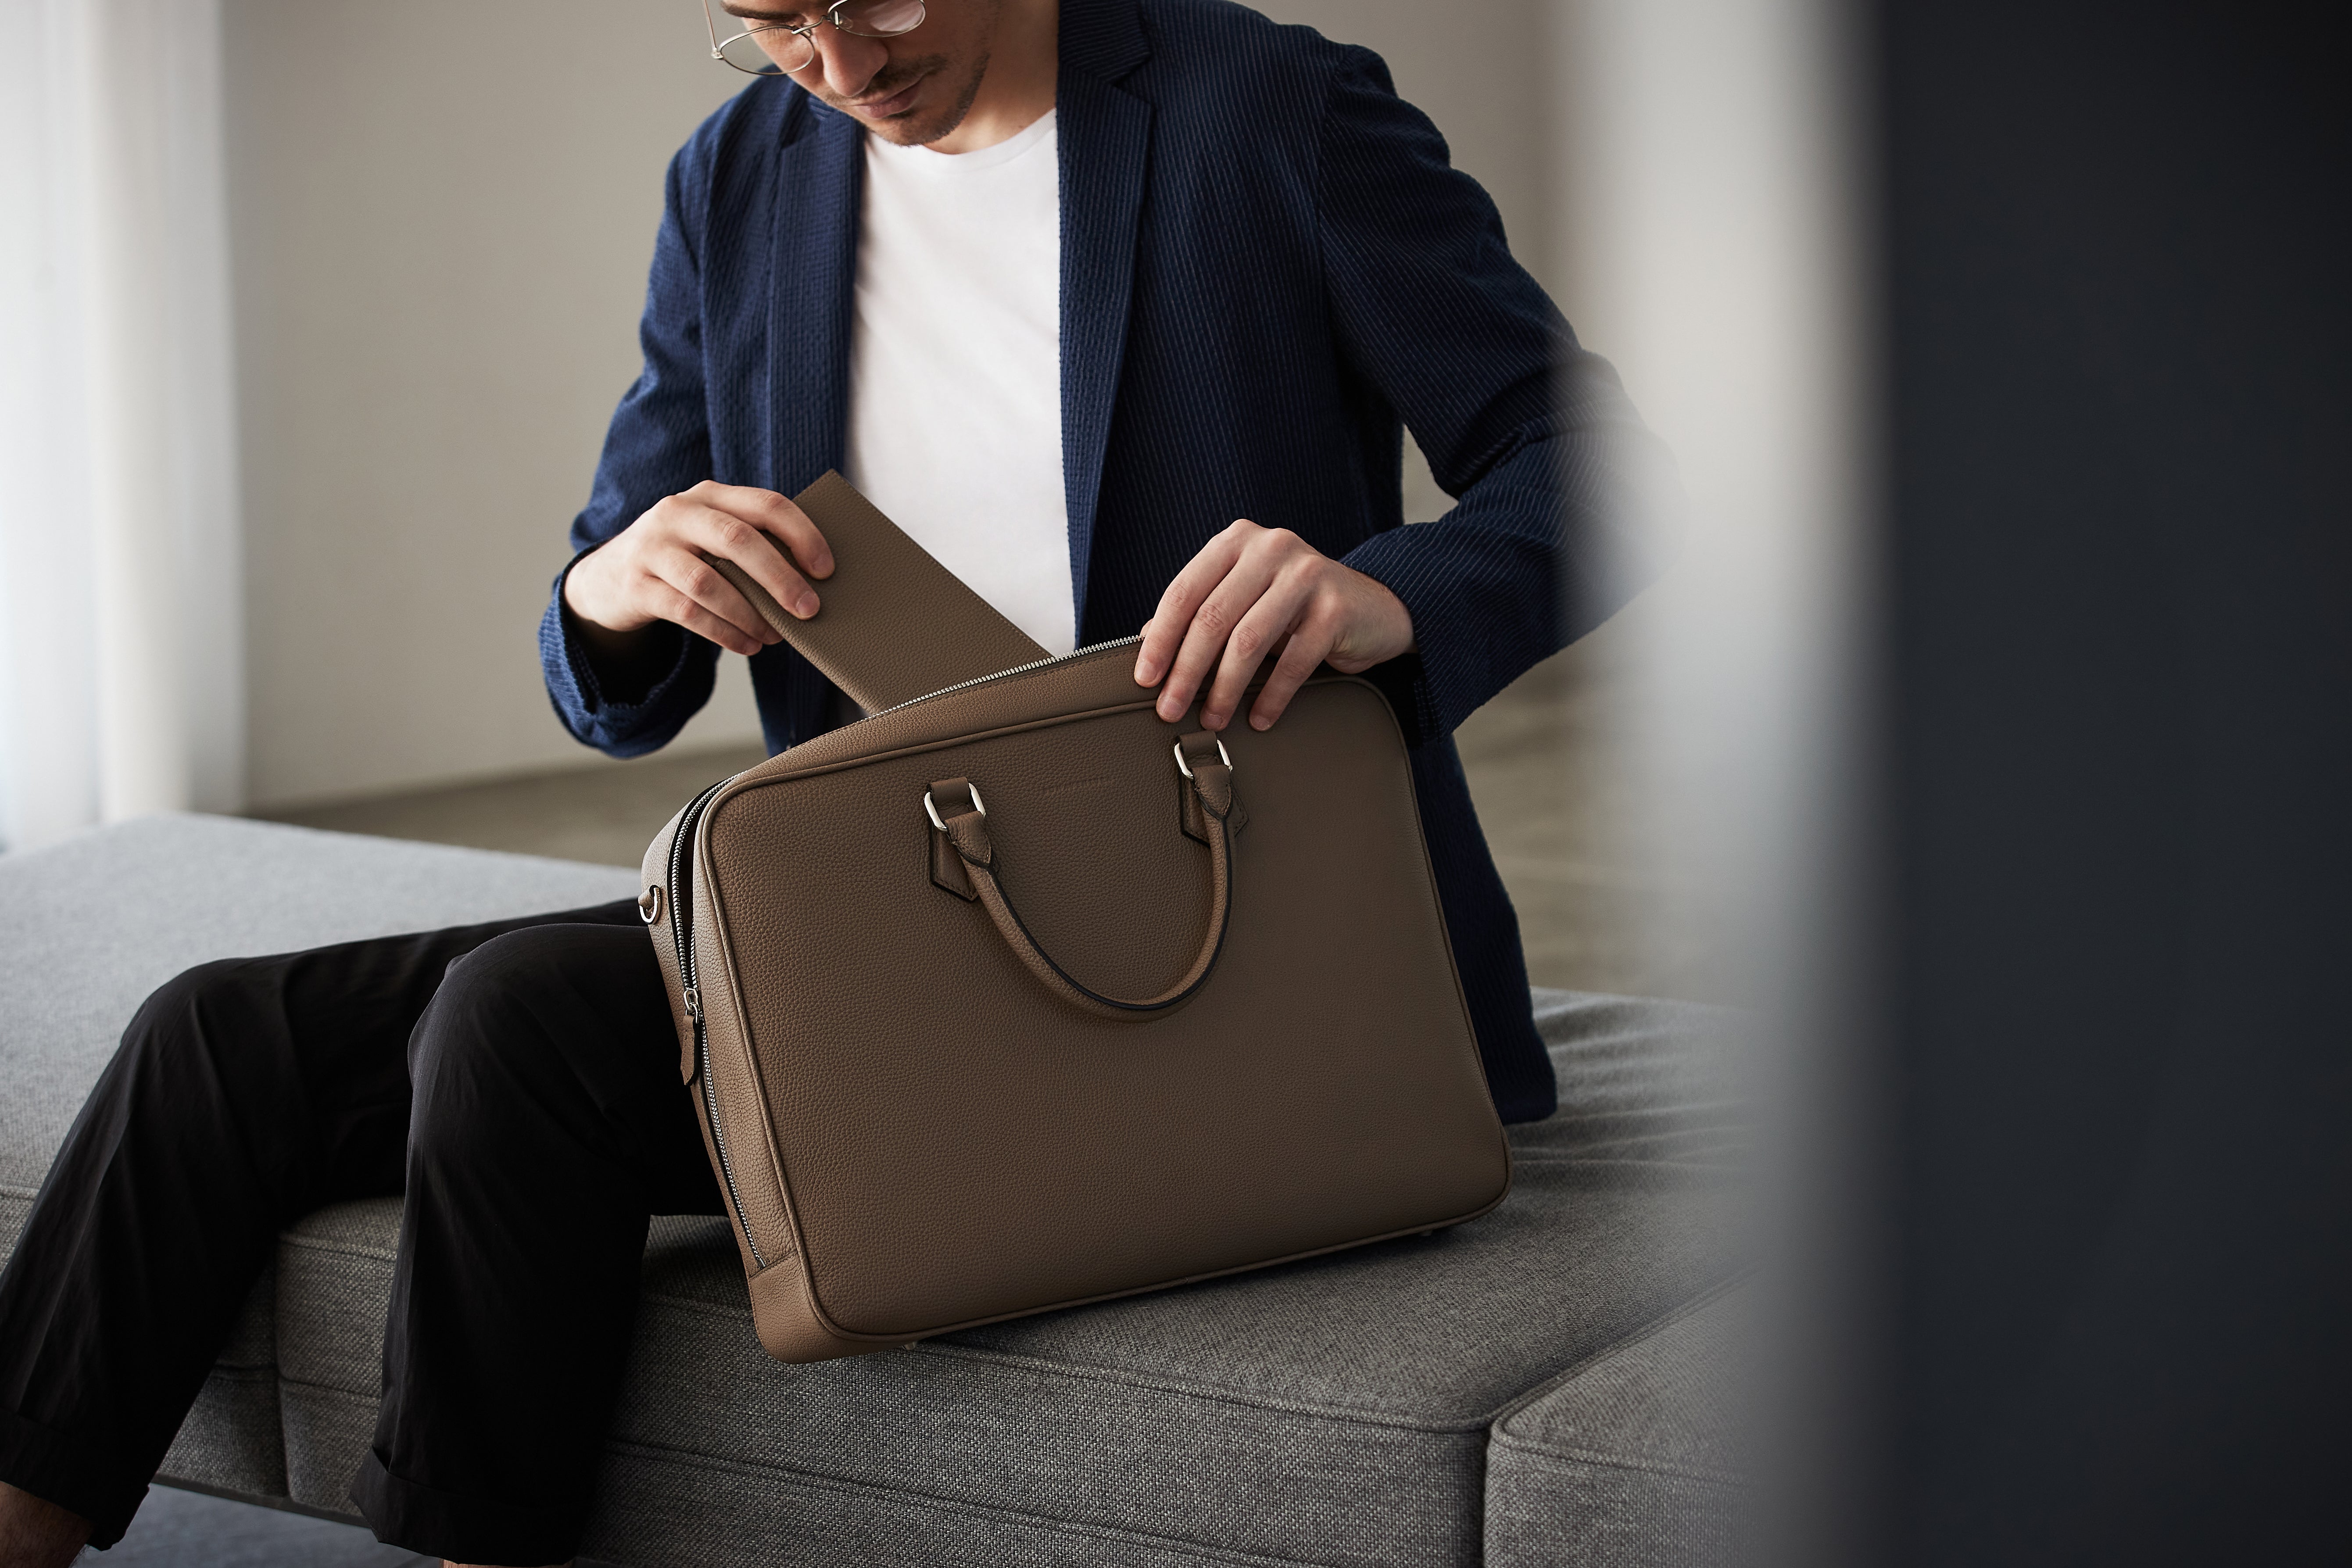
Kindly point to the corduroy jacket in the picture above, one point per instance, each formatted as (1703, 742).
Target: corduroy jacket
(1267, 263)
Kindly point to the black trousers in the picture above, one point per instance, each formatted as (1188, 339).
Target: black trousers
(517, 1080)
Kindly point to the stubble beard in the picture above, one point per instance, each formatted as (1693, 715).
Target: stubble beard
(921, 129)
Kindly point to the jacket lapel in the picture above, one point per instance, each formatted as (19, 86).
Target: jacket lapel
(1104, 134)
(821, 177)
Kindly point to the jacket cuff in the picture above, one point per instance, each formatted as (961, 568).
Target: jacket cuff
(1404, 681)
(605, 708)
(1446, 679)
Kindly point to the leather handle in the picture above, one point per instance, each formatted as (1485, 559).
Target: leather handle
(957, 811)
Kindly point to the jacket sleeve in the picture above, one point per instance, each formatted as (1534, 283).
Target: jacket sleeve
(657, 444)
(1555, 478)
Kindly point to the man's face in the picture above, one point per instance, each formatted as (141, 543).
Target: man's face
(912, 89)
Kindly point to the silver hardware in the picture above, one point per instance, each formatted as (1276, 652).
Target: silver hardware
(649, 904)
(1085, 652)
(933, 812)
(693, 1002)
(1186, 769)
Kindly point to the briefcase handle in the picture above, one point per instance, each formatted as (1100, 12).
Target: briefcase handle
(955, 810)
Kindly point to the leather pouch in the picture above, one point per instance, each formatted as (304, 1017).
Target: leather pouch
(991, 1007)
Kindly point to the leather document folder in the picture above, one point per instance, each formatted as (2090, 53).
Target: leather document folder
(892, 624)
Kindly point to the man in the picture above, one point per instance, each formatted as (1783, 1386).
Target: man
(1068, 293)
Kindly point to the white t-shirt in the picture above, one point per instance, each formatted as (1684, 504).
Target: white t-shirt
(955, 368)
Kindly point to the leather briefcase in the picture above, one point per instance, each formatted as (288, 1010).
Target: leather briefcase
(1012, 995)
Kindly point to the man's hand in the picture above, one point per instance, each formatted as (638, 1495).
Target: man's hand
(1252, 590)
(658, 568)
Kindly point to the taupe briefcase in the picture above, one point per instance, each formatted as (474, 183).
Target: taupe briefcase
(1014, 997)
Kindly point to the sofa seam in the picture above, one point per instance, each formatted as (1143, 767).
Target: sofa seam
(1223, 1396)
(820, 1480)
(1075, 1372)
(340, 1248)
(1590, 1460)
(286, 1382)
(1703, 1298)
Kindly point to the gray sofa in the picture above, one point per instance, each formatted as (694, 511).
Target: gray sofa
(1541, 1386)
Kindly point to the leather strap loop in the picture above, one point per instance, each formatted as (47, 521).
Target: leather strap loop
(953, 805)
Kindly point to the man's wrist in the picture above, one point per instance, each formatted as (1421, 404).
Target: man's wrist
(624, 665)
(601, 639)
(1397, 636)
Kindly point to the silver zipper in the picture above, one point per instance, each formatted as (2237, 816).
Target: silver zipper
(681, 931)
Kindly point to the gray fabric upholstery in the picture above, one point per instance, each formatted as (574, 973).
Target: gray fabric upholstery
(1337, 1411)
(1329, 1412)
(231, 1439)
(1636, 1460)
(92, 925)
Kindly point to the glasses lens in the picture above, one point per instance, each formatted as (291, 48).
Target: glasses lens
(878, 18)
(785, 51)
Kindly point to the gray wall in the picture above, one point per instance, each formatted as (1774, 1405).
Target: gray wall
(441, 216)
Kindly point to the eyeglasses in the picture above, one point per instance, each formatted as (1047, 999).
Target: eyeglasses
(780, 48)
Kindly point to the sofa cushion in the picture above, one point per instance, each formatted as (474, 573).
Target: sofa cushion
(95, 923)
(92, 925)
(1635, 1459)
(1332, 1411)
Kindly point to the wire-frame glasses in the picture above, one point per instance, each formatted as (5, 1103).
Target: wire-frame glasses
(780, 48)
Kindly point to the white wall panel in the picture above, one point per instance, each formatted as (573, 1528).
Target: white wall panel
(442, 215)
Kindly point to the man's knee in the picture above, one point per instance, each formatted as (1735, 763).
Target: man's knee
(517, 1009)
(202, 1057)
(193, 1015)
(505, 983)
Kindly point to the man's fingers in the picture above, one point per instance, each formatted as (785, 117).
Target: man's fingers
(791, 524)
(772, 514)
(1308, 646)
(677, 607)
(1262, 630)
(1164, 634)
(1205, 635)
(704, 602)
(721, 533)
(686, 613)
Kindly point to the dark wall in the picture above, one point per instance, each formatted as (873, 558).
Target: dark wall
(2121, 703)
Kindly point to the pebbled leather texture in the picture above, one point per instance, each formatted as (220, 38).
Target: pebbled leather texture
(925, 1133)
(962, 827)
(892, 624)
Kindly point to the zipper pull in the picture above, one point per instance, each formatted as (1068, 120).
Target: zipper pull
(694, 1003)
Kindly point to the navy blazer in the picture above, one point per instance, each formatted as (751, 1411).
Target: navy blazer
(1267, 261)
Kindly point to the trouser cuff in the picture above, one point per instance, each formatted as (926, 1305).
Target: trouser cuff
(464, 1529)
(77, 1476)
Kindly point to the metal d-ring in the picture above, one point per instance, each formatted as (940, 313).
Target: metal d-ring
(933, 812)
(1184, 767)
